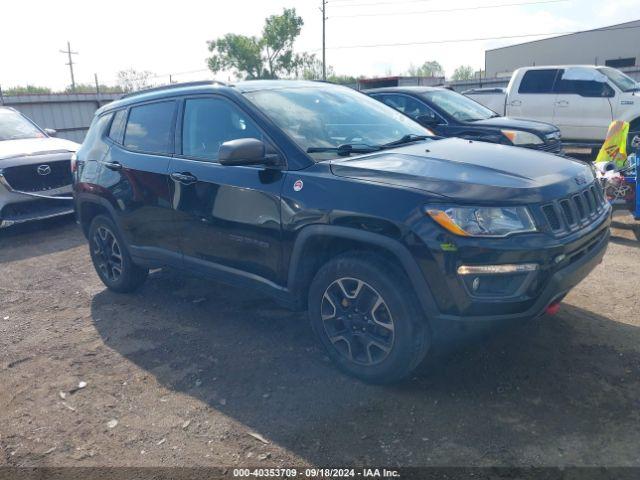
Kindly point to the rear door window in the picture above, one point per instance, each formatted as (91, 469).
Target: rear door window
(150, 128)
(538, 81)
(584, 88)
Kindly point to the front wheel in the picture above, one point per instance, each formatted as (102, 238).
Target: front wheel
(365, 314)
(111, 258)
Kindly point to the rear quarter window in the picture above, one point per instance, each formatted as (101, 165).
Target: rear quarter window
(117, 126)
(538, 81)
(150, 128)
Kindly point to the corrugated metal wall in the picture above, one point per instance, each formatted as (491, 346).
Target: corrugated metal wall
(69, 114)
(592, 47)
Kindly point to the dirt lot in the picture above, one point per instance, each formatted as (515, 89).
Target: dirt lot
(187, 372)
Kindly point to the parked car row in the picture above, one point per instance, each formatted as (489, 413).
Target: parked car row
(450, 114)
(394, 240)
(581, 100)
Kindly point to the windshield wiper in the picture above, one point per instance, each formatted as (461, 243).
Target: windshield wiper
(411, 137)
(346, 149)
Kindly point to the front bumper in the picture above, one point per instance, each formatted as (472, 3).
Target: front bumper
(564, 262)
(19, 207)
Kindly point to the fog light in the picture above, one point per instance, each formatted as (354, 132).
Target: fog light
(497, 281)
(497, 269)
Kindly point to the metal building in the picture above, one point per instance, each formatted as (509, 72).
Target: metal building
(69, 114)
(616, 46)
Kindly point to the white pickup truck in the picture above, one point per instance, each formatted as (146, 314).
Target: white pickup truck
(581, 100)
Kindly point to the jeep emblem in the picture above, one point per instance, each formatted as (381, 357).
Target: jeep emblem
(580, 180)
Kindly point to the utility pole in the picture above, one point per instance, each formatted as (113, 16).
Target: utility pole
(324, 57)
(69, 53)
(95, 77)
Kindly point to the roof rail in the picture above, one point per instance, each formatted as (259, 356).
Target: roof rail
(175, 85)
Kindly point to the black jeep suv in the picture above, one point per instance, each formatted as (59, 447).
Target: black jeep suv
(334, 202)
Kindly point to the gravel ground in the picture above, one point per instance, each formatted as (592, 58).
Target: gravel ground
(187, 372)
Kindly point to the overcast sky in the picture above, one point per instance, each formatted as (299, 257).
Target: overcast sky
(170, 37)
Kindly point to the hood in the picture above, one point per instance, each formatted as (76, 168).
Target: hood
(471, 172)
(35, 146)
(517, 124)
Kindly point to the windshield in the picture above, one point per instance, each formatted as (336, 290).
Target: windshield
(458, 106)
(623, 82)
(14, 126)
(326, 116)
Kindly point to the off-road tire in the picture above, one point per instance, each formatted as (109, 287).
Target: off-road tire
(410, 328)
(114, 257)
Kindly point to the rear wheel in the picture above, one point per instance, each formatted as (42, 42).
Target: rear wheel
(111, 258)
(365, 314)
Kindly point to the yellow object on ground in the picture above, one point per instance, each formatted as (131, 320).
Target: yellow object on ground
(614, 148)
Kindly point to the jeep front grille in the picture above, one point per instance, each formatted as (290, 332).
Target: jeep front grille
(574, 212)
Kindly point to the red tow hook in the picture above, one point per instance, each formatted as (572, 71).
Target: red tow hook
(553, 308)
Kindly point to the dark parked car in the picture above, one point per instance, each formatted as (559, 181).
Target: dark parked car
(450, 114)
(333, 202)
(35, 175)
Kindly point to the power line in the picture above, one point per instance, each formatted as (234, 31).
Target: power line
(482, 7)
(376, 3)
(477, 39)
(69, 53)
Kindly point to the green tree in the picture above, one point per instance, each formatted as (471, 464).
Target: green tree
(91, 88)
(268, 56)
(342, 79)
(463, 72)
(309, 67)
(26, 90)
(427, 69)
(133, 80)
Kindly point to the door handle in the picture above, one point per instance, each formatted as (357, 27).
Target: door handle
(562, 103)
(515, 103)
(184, 178)
(113, 165)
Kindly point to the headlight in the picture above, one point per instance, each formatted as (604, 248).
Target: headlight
(483, 221)
(518, 137)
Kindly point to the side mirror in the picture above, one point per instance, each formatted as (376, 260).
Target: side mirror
(244, 151)
(608, 91)
(427, 120)
(51, 132)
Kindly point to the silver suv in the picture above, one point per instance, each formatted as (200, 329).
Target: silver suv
(35, 171)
